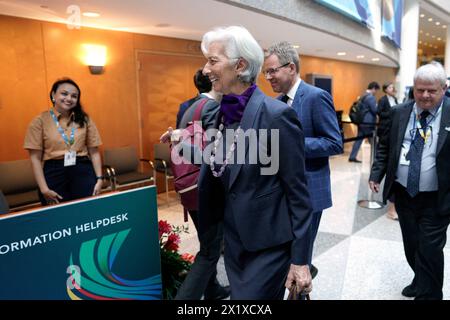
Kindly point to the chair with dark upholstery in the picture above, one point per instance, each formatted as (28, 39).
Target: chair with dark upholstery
(163, 164)
(18, 184)
(121, 166)
(4, 207)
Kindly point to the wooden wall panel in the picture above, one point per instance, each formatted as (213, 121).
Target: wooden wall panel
(349, 79)
(165, 81)
(109, 98)
(35, 53)
(23, 92)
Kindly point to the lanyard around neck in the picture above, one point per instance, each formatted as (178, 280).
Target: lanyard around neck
(424, 133)
(68, 142)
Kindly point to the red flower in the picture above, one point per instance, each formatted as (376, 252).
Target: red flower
(188, 257)
(163, 227)
(172, 242)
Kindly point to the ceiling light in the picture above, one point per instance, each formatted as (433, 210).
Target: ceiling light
(422, 15)
(430, 19)
(421, 31)
(295, 46)
(427, 34)
(444, 26)
(420, 41)
(375, 59)
(438, 23)
(360, 57)
(439, 39)
(91, 14)
(433, 36)
(342, 53)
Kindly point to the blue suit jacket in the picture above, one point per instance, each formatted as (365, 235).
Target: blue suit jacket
(317, 115)
(268, 210)
(185, 105)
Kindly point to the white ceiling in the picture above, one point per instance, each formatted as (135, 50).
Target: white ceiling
(190, 19)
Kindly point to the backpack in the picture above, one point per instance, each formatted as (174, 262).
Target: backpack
(357, 111)
(186, 174)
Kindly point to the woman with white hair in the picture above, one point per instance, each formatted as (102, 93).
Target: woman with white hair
(266, 215)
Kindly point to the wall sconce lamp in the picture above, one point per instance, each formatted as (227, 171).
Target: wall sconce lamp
(95, 58)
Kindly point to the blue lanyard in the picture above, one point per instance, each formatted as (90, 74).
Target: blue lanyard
(68, 142)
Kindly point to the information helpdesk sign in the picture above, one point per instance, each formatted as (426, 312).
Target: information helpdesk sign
(104, 248)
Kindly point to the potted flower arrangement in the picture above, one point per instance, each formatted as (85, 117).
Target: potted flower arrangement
(174, 266)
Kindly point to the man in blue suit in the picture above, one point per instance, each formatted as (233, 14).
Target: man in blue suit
(317, 115)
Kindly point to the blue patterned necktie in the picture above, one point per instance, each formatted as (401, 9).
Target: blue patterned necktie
(415, 157)
(285, 98)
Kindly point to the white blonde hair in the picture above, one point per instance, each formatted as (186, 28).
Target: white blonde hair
(238, 43)
(431, 72)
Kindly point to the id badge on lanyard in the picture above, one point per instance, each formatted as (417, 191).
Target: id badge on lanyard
(70, 157)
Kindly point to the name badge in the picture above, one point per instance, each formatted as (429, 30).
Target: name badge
(403, 154)
(70, 158)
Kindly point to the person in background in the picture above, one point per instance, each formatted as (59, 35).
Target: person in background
(415, 158)
(315, 110)
(202, 278)
(385, 104)
(203, 86)
(266, 215)
(369, 109)
(63, 146)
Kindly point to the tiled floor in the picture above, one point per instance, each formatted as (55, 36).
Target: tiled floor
(358, 252)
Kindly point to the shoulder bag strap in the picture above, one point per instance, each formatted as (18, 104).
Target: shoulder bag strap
(198, 111)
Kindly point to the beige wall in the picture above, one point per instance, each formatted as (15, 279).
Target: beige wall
(33, 54)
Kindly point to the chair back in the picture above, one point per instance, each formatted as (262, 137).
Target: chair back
(4, 207)
(161, 152)
(123, 159)
(17, 177)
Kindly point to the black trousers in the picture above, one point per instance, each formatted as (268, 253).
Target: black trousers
(202, 278)
(424, 234)
(72, 182)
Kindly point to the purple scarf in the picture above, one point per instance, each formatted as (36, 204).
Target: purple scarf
(232, 106)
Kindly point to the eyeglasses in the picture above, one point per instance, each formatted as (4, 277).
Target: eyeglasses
(272, 71)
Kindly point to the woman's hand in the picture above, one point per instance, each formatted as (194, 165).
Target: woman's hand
(51, 197)
(166, 135)
(98, 187)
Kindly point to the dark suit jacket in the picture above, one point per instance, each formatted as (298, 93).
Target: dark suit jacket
(184, 106)
(268, 209)
(208, 115)
(384, 108)
(317, 115)
(388, 153)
